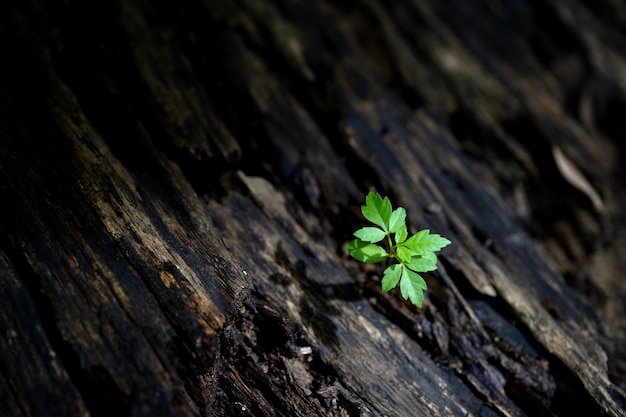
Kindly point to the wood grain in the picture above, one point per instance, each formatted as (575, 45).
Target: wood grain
(179, 183)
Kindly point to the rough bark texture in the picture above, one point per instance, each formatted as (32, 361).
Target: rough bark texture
(179, 181)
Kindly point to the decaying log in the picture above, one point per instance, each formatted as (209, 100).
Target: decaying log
(179, 183)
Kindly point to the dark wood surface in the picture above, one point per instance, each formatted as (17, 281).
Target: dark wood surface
(179, 182)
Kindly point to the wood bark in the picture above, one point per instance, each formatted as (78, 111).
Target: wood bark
(179, 182)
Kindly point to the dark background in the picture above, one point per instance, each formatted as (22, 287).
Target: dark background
(179, 181)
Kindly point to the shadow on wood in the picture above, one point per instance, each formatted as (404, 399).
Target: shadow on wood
(179, 183)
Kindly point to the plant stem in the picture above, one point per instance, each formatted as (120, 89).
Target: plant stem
(392, 248)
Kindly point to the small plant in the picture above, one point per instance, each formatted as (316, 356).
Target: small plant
(414, 254)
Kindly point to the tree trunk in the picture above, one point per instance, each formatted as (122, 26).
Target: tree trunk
(179, 183)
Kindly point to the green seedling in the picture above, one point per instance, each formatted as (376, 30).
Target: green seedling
(413, 254)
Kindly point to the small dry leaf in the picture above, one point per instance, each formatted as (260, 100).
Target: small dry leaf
(573, 175)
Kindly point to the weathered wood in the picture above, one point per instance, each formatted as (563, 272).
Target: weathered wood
(179, 183)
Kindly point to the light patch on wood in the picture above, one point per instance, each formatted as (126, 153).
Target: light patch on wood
(576, 178)
(299, 374)
(167, 278)
(273, 204)
(371, 329)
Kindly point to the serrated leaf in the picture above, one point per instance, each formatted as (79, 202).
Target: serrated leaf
(391, 276)
(422, 264)
(377, 210)
(404, 254)
(401, 234)
(370, 234)
(412, 286)
(423, 242)
(366, 252)
(397, 219)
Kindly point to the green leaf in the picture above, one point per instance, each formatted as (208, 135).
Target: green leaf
(415, 254)
(370, 234)
(412, 286)
(422, 264)
(397, 219)
(423, 242)
(404, 254)
(366, 252)
(377, 210)
(391, 276)
(401, 234)
(431, 256)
